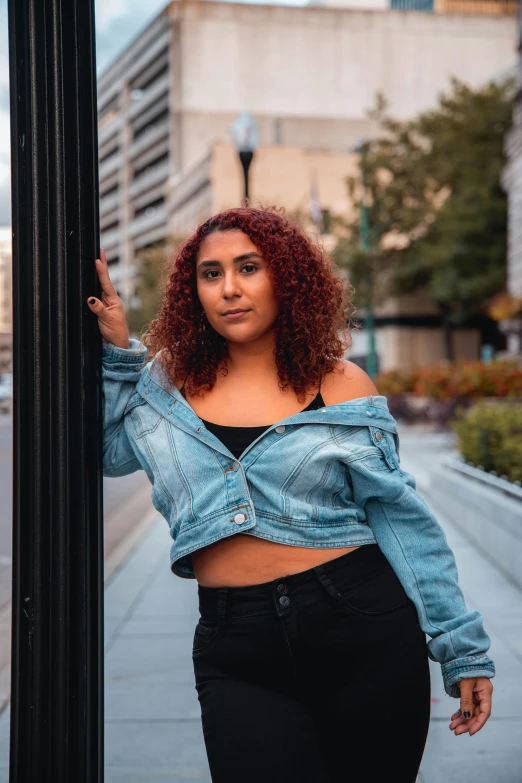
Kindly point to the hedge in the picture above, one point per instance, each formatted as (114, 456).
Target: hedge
(490, 436)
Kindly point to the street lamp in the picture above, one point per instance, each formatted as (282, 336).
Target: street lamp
(245, 134)
(365, 245)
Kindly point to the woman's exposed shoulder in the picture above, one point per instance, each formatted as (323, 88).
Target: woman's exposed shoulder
(347, 382)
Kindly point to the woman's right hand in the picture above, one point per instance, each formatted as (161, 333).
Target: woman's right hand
(110, 312)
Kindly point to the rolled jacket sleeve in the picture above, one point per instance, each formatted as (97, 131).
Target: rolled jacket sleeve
(121, 369)
(415, 545)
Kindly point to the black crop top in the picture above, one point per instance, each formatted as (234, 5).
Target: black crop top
(237, 439)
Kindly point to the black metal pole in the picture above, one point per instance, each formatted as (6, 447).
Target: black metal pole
(245, 156)
(57, 625)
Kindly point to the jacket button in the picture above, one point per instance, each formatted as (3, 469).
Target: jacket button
(281, 428)
(379, 436)
(239, 519)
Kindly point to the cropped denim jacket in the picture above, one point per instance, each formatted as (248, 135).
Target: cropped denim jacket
(322, 478)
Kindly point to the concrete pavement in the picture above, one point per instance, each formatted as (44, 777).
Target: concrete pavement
(127, 512)
(494, 755)
(153, 730)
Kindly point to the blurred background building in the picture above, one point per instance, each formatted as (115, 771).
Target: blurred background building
(6, 311)
(309, 76)
(512, 180)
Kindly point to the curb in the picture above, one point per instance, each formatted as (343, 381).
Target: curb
(119, 555)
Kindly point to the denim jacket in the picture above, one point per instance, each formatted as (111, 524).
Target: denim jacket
(322, 478)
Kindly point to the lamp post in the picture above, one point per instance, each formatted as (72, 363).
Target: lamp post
(245, 134)
(365, 244)
(57, 622)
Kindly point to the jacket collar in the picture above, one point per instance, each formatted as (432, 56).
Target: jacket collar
(362, 412)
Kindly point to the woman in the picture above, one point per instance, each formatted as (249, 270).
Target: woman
(275, 462)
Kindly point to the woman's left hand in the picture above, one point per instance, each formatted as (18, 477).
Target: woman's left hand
(475, 698)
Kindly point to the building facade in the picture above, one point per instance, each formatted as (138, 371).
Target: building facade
(294, 177)
(512, 181)
(6, 301)
(308, 74)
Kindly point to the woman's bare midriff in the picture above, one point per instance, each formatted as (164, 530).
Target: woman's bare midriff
(242, 559)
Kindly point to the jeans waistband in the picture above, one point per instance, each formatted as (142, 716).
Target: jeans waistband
(299, 589)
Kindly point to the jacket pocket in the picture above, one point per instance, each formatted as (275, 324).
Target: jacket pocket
(144, 417)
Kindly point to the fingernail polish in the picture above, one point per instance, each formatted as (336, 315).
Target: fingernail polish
(467, 714)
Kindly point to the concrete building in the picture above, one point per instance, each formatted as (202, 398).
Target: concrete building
(279, 175)
(512, 181)
(293, 176)
(6, 301)
(309, 75)
(472, 7)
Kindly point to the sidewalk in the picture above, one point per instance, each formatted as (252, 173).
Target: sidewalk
(494, 755)
(153, 729)
(152, 716)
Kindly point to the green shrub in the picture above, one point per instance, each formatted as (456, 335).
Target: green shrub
(491, 436)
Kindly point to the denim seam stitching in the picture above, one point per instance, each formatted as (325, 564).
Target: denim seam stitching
(468, 660)
(176, 556)
(469, 667)
(159, 479)
(441, 632)
(453, 678)
(320, 545)
(306, 525)
(366, 454)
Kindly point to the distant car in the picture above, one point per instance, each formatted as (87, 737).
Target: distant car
(6, 392)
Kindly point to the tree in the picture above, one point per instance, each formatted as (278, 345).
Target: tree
(151, 278)
(438, 215)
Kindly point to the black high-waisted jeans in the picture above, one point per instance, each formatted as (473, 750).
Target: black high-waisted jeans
(317, 677)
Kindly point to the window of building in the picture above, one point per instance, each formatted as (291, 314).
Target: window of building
(150, 208)
(110, 108)
(412, 5)
(152, 71)
(111, 226)
(110, 191)
(163, 115)
(155, 75)
(152, 164)
(109, 155)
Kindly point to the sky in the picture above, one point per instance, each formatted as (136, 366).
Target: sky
(118, 22)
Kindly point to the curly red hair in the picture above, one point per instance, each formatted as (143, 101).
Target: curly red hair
(315, 308)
